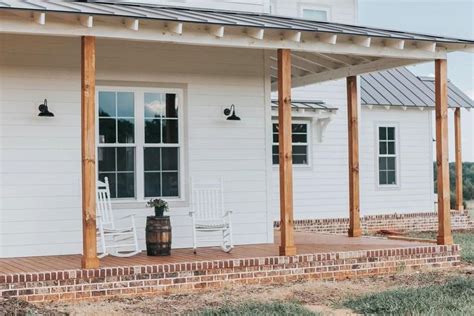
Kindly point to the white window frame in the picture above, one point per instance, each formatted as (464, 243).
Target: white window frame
(139, 95)
(308, 143)
(378, 155)
(309, 6)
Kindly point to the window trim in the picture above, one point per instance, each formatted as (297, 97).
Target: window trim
(397, 156)
(309, 6)
(309, 144)
(139, 143)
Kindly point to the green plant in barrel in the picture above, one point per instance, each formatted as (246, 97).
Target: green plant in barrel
(160, 206)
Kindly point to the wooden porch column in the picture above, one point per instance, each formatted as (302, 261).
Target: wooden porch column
(458, 144)
(89, 254)
(287, 245)
(353, 126)
(442, 162)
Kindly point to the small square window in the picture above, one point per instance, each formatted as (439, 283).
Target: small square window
(300, 144)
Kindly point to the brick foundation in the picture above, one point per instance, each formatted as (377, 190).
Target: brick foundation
(373, 223)
(181, 277)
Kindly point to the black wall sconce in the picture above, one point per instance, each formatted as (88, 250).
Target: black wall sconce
(230, 113)
(43, 108)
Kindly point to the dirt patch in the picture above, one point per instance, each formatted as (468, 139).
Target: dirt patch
(320, 296)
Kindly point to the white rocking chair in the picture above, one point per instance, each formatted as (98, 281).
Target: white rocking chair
(208, 213)
(119, 242)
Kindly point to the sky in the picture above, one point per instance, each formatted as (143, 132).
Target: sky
(442, 17)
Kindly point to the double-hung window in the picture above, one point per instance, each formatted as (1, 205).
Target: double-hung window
(387, 156)
(139, 146)
(300, 141)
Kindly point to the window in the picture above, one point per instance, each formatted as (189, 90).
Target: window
(299, 135)
(139, 148)
(314, 14)
(387, 155)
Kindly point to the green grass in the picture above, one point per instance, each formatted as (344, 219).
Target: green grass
(453, 298)
(464, 238)
(257, 308)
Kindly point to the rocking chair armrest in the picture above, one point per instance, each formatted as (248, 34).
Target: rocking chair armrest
(127, 216)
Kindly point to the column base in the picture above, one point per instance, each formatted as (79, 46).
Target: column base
(355, 232)
(287, 251)
(90, 263)
(445, 240)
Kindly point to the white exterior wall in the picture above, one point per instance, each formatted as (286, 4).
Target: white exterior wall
(321, 190)
(414, 192)
(231, 5)
(40, 163)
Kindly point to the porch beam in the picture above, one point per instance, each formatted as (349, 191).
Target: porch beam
(353, 140)
(199, 35)
(442, 161)
(287, 245)
(458, 149)
(89, 242)
(86, 20)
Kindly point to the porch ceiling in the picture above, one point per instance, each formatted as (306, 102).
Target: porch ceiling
(321, 51)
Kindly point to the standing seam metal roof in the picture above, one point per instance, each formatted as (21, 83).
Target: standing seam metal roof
(221, 17)
(400, 87)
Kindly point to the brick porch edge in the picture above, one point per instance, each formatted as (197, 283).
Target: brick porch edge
(181, 277)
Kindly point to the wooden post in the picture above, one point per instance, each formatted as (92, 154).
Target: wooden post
(287, 246)
(442, 161)
(89, 242)
(353, 126)
(458, 144)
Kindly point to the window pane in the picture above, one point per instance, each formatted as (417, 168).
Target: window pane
(125, 104)
(125, 185)
(112, 182)
(276, 159)
(170, 131)
(391, 133)
(391, 177)
(126, 131)
(106, 157)
(300, 160)
(300, 150)
(107, 104)
(391, 148)
(154, 104)
(299, 128)
(382, 163)
(275, 149)
(391, 163)
(171, 109)
(275, 138)
(152, 184)
(316, 15)
(383, 148)
(152, 159)
(382, 177)
(382, 133)
(299, 138)
(107, 133)
(152, 131)
(125, 159)
(170, 159)
(170, 184)
(275, 128)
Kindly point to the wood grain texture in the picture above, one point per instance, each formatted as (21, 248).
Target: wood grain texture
(287, 246)
(353, 141)
(458, 154)
(89, 255)
(442, 159)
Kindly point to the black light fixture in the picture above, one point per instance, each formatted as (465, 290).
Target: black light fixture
(43, 108)
(230, 113)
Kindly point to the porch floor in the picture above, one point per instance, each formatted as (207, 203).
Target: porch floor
(306, 243)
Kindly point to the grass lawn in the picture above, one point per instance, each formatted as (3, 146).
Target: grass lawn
(463, 238)
(453, 298)
(258, 308)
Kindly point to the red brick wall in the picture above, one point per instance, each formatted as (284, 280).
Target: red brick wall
(182, 277)
(373, 223)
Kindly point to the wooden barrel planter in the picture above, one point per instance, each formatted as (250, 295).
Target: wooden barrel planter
(158, 236)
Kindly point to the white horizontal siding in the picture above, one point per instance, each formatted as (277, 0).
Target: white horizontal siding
(40, 184)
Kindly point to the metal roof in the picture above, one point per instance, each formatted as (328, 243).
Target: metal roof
(219, 17)
(307, 105)
(400, 87)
